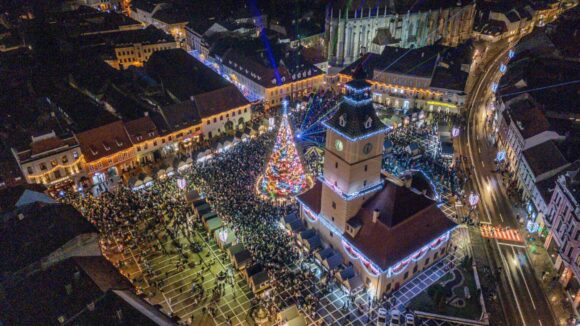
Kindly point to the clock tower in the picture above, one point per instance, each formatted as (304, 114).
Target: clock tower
(353, 156)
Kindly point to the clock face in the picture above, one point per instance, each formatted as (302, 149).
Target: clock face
(367, 148)
(338, 145)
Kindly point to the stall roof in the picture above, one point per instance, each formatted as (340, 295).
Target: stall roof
(347, 273)
(325, 253)
(260, 278)
(307, 234)
(254, 269)
(333, 261)
(242, 257)
(296, 225)
(214, 224)
(314, 242)
(208, 216)
(236, 249)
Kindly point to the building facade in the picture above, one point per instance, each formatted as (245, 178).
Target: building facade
(50, 160)
(107, 152)
(522, 125)
(259, 82)
(563, 220)
(359, 213)
(351, 30)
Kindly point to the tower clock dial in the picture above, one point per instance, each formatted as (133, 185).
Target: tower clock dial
(338, 145)
(367, 148)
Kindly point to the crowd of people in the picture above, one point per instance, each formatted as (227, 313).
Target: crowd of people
(157, 219)
(446, 175)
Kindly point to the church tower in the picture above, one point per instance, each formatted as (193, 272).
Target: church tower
(353, 156)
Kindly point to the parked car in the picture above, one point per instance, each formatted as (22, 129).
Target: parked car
(409, 319)
(382, 317)
(395, 317)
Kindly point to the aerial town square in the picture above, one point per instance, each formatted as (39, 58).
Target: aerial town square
(290, 162)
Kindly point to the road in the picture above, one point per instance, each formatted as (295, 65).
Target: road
(521, 297)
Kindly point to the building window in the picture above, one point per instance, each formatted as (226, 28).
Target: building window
(54, 163)
(214, 120)
(336, 165)
(366, 168)
(64, 159)
(333, 205)
(221, 117)
(42, 166)
(406, 275)
(332, 217)
(75, 155)
(364, 183)
(415, 269)
(427, 261)
(331, 235)
(388, 286)
(30, 170)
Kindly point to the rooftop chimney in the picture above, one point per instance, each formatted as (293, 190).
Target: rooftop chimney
(376, 214)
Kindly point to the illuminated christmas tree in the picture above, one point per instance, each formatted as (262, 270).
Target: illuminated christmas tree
(284, 176)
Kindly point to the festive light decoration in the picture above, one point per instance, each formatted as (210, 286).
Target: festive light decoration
(284, 176)
(348, 197)
(223, 235)
(181, 183)
(354, 139)
(500, 156)
(473, 199)
(371, 267)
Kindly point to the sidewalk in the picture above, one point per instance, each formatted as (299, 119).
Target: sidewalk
(541, 261)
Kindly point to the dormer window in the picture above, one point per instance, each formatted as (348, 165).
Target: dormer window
(107, 148)
(368, 123)
(119, 142)
(342, 120)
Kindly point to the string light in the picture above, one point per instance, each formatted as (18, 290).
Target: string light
(354, 139)
(354, 253)
(284, 175)
(356, 194)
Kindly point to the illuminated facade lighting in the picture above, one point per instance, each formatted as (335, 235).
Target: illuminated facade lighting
(348, 197)
(357, 103)
(443, 104)
(354, 139)
(371, 267)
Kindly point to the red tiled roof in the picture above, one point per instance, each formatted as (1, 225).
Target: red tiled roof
(312, 197)
(141, 129)
(544, 158)
(104, 141)
(530, 120)
(407, 222)
(46, 145)
(219, 101)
